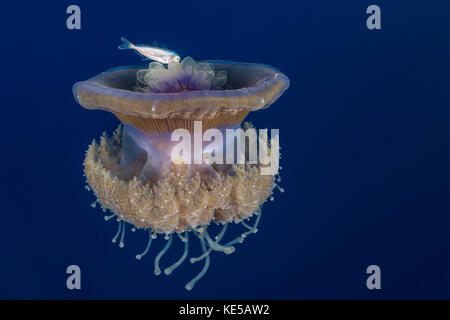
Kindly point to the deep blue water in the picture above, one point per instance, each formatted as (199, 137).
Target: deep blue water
(363, 129)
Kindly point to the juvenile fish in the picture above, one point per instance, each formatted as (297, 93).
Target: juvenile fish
(161, 55)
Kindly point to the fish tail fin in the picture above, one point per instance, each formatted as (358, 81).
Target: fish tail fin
(126, 44)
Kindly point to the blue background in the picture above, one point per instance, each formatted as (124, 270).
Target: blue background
(363, 128)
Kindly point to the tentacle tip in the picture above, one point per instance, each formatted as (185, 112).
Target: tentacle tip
(192, 260)
(167, 271)
(229, 250)
(157, 272)
(113, 240)
(121, 245)
(138, 256)
(188, 287)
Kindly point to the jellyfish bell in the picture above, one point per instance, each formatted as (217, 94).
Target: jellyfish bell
(132, 173)
(248, 87)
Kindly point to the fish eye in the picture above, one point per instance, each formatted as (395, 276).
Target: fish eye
(177, 59)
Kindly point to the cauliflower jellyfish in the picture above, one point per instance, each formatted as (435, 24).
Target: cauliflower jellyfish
(132, 175)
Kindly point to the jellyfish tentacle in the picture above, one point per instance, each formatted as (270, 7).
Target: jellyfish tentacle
(218, 247)
(119, 230)
(183, 239)
(191, 283)
(107, 218)
(170, 269)
(234, 241)
(218, 238)
(255, 225)
(121, 244)
(253, 229)
(160, 254)
(203, 256)
(246, 225)
(139, 256)
(221, 233)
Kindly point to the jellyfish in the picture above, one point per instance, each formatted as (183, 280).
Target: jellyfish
(133, 176)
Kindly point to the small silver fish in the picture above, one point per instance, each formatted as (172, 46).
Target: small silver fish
(150, 52)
